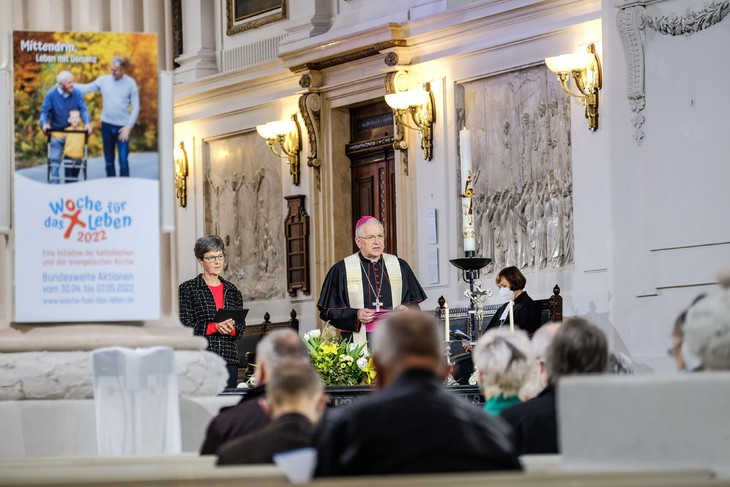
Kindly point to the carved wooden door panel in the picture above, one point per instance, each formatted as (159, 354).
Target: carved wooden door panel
(373, 191)
(372, 161)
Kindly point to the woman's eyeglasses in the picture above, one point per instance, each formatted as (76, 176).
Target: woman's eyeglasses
(214, 258)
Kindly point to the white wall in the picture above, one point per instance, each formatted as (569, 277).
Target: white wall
(670, 202)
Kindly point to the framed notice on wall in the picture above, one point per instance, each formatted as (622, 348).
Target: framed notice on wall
(242, 15)
(86, 177)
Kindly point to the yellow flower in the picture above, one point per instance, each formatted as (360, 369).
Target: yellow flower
(329, 348)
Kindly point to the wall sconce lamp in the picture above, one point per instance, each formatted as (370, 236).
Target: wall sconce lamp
(181, 174)
(585, 69)
(419, 104)
(289, 135)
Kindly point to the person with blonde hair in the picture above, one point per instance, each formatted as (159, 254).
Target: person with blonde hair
(504, 363)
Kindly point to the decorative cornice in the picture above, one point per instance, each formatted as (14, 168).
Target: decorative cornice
(348, 57)
(691, 22)
(631, 23)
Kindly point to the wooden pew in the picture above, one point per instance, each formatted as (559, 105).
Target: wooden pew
(188, 470)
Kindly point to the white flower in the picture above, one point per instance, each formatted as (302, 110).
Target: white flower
(362, 363)
(352, 346)
(315, 333)
(307, 336)
(242, 385)
(365, 353)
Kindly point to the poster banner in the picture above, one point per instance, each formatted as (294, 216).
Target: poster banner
(86, 181)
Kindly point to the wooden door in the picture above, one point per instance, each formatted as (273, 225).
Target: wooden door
(372, 161)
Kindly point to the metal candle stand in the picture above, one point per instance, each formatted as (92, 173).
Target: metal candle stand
(471, 267)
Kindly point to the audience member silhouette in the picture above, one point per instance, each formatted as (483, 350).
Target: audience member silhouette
(251, 413)
(504, 363)
(412, 425)
(295, 397)
(540, 341)
(578, 347)
(707, 331)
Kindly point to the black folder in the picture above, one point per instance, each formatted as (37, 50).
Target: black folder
(238, 315)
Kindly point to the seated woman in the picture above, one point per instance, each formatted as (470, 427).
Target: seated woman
(203, 295)
(504, 361)
(511, 283)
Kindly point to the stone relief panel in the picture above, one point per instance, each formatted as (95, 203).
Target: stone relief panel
(521, 156)
(244, 206)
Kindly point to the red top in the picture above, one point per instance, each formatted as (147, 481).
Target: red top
(218, 298)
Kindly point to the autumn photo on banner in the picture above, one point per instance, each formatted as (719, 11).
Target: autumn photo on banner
(85, 106)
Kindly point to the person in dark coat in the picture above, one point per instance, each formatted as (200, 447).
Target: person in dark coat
(252, 413)
(361, 289)
(511, 283)
(412, 425)
(202, 296)
(578, 347)
(296, 400)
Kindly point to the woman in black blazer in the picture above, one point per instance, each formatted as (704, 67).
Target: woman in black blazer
(511, 285)
(203, 295)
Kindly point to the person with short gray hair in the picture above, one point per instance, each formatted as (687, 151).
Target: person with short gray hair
(707, 331)
(120, 109)
(296, 402)
(540, 341)
(504, 363)
(620, 364)
(202, 296)
(251, 413)
(412, 424)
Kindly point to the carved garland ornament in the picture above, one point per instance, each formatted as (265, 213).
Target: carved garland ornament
(691, 22)
(631, 22)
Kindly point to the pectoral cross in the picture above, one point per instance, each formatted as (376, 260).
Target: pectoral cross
(377, 305)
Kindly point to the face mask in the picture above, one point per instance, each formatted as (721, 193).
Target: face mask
(506, 294)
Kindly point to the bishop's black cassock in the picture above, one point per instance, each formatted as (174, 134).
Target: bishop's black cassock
(334, 304)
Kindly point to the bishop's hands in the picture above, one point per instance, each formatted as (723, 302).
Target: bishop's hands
(365, 315)
(226, 327)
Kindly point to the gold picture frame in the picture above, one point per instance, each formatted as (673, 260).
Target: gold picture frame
(243, 15)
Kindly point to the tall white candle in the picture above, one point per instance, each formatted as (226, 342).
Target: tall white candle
(467, 217)
(446, 321)
(512, 316)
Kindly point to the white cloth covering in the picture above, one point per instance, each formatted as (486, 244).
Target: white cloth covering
(135, 400)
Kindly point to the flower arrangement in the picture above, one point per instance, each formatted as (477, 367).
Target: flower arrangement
(339, 362)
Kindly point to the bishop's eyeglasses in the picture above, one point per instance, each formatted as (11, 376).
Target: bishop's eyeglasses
(380, 237)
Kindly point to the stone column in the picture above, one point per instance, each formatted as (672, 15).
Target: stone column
(199, 50)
